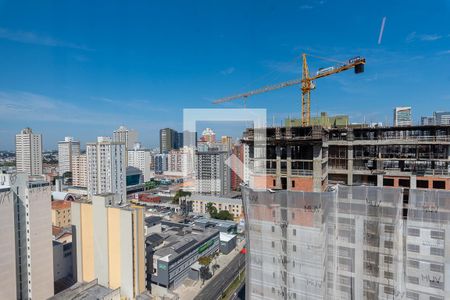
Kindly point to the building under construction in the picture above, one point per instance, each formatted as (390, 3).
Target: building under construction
(311, 158)
(381, 233)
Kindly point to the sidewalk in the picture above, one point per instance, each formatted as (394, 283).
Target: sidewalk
(190, 289)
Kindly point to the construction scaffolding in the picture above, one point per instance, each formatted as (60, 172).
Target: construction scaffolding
(350, 242)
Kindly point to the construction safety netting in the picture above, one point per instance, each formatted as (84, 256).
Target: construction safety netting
(354, 242)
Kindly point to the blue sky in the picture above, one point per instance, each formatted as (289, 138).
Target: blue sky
(82, 68)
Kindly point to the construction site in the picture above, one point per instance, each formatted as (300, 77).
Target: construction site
(346, 211)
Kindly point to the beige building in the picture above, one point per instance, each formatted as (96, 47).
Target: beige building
(79, 171)
(61, 213)
(29, 152)
(233, 205)
(110, 244)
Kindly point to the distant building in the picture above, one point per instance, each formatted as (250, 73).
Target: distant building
(233, 205)
(168, 140)
(227, 142)
(181, 160)
(106, 172)
(140, 158)
(29, 152)
(61, 213)
(438, 118)
(67, 150)
(79, 171)
(161, 163)
(134, 176)
(212, 175)
(26, 262)
(402, 116)
(127, 136)
(110, 244)
(208, 136)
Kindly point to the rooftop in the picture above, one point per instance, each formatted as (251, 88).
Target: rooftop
(86, 291)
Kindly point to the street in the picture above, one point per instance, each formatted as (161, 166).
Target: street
(217, 285)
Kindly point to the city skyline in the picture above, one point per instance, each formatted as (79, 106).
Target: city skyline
(84, 79)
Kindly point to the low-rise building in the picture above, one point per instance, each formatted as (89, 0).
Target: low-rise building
(227, 242)
(61, 213)
(172, 259)
(233, 205)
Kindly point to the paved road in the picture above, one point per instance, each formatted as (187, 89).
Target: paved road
(213, 290)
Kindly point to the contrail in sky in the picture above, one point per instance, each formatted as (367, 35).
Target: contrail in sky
(381, 30)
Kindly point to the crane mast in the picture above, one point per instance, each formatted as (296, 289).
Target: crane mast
(306, 82)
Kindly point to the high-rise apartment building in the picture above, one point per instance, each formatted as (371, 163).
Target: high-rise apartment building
(110, 244)
(227, 143)
(79, 170)
(106, 168)
(168, 140)
(181, 161)
(212, 175)
(26, 260)
(29, 152)
(127, 136)
(140, 158)
(402, 116)
(161, 163)
(67, 150)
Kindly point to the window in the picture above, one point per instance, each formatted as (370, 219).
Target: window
(273, 228)
(388, 275)
(388, 259)
(294, 231)
(412, 279)
(293, 183)
(294, 248)
(274, 183)
(439, 184)
(413, 248)
(413, 232)
(437, 235)
(388, 182)
(436, 251)
(413, 264)
(273, 244)
(388, 244)
(422, 184)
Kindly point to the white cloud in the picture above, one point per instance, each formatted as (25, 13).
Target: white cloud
(414, 36)
(228, 71)
(33, 38)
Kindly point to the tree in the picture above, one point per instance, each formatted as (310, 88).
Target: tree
(205, 273)
(224, 215)
(211, 209)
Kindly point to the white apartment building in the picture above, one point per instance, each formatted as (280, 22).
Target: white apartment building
(199, 204)
(79, 170)
(106, 167)
(67, 150)
(181, 161)
(125, 135)
(29, 152)
(140, 158)
(212, 175)
(26, 255)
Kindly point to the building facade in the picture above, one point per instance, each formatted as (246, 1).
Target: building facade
(109, 242)
(212, 175)
(161, 163)
(26, 262)
(438, 118)
(106, 168)
(79, 170)
(29, 152)
(67, 150)
(347, 243)
(172, 262)
(61, 213)
(233, 205)
(168, 140)
(127, 136)
(402, 116)
(140, 158)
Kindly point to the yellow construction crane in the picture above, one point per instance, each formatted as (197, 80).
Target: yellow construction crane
(307, 83)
